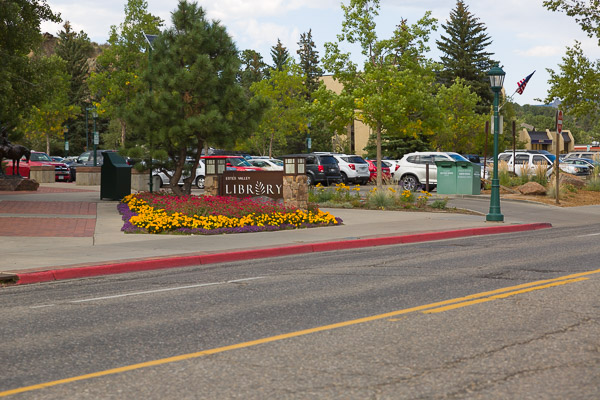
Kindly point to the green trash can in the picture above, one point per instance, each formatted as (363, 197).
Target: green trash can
(115, 177)
(446, 177)
(468, 178)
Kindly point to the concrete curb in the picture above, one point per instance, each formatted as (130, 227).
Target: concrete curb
(203, 259)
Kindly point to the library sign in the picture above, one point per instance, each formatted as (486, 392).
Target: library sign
(252, 184)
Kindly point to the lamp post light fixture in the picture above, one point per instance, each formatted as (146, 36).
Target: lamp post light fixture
(96, 135)
(496, 75)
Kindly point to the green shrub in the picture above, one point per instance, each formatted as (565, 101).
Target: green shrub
(381, 200)
(593, 184)
(439, 203)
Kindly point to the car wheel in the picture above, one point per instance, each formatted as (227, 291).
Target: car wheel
(200, 182)
(344, 178)
(309, 180)
(409, 182)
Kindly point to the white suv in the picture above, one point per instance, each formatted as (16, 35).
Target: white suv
(354, 169)
(412, 170)
(526, 162)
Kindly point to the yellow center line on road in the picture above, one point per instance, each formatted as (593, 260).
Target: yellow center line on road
(500, 296)
(433, 307)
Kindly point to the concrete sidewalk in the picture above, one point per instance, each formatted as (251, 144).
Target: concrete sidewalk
(65, 231)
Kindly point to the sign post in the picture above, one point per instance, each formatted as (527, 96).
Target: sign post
(559, 125)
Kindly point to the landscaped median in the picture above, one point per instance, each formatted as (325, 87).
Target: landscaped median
(204, 215)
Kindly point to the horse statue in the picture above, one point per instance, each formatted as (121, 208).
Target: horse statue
(12, 152)
(15, 153)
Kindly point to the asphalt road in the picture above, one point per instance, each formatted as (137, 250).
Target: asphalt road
(505, 316)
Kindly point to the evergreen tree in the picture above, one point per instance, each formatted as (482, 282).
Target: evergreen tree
(254, 69)
(309, 61)
(75, 49)
(464, 55)
(196, 97)
(280, 56)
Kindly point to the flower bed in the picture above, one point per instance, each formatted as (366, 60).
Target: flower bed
(162, 212)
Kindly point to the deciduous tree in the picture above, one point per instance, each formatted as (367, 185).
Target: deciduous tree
(20, 34)
(586, 13)
(577, 85)
(119, 68)
(394, 92)
(285, 117)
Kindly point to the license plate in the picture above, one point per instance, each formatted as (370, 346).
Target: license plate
(60, 177)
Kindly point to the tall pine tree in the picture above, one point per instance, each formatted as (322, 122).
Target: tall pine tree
(280, 56)
(195, 97)
(75, 49)
(309, 61)
(464, 54)
(254, 69)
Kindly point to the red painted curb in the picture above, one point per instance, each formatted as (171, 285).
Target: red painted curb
(184, 261)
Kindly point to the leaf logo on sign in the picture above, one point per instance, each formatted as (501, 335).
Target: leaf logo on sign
(259, 188)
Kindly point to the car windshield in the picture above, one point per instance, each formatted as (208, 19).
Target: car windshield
(238, 162)
(354, 159)
(40, 157)
(457, 157)
(328, 160)
(279, 163)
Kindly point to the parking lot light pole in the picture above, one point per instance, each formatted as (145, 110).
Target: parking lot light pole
(496, 75)
(96, 138)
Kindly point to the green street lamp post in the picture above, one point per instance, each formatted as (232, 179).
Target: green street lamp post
(66, 135)
(96, 135)
(308, 138)
(149, 40)
(496, 75)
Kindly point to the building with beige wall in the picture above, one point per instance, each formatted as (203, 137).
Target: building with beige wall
(357, 133)
(545, 140)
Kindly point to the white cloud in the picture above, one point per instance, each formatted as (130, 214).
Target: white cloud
(540, 51)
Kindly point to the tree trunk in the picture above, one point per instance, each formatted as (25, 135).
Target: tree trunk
(48, 143)
(123, 126)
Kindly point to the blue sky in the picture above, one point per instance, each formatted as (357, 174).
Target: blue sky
(526, 36)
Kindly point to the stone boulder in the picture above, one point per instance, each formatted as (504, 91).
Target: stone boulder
(567, 179)
(532, 189)
(14, 183)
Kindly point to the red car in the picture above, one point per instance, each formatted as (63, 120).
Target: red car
(236, 163)
(62, 170)
(385, 170)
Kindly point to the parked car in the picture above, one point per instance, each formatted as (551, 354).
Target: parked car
(321, 168)
(394, 165)
(86, 159)
(38, 158)
(267, 164)
(527, 161)
(385, 170)
(576, 166)
(235, 163)
(353, 168)
(584, 154)
(162, 179)
(413, 168)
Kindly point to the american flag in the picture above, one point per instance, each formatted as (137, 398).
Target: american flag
(523, 82)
